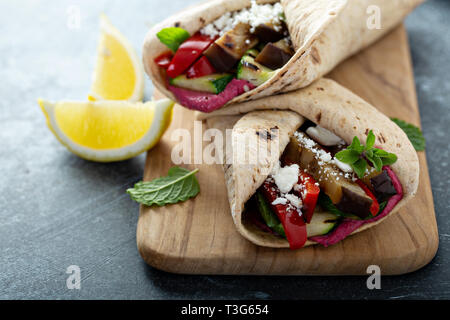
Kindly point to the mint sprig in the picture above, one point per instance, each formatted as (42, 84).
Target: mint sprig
(179, 185)
(414, 134)
(356, 155)
(173, 37)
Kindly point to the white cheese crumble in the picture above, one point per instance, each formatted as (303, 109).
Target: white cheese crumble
(279, 201)
(325, 157)
(286, 177)
(254, 16)
(294, 200)
(343, 166)
(324, 136)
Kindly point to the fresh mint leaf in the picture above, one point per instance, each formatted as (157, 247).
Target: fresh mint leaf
(173, 37)
(370, 141)
(414, 134)
(179, 185)
(356, 145)
(356, 155)
(360, 167)
(376, 162)
(388, 159)
(347, 156)
(380, 152)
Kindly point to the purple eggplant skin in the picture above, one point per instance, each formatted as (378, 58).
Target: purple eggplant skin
(273, 57)
(382, 186)
(267, 33)
(354, 203)
(221, 60)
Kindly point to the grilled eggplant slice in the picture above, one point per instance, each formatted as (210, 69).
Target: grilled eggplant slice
(226, 51)
(270, 33)
(382, 186)
(275, 55)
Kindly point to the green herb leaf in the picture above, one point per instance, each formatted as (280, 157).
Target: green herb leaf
(376, 162)
(389, 159)
(179, 185)
(414, 134)
(359, 167)
(173, 37)
(348, 156)
(356, 145)
(370, 141)
(380, 152)
(356, 154)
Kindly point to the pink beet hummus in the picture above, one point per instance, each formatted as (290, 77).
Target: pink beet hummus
(208, 102)
(346, 227)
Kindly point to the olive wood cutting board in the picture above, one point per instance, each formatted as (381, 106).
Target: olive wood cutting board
(199, 237)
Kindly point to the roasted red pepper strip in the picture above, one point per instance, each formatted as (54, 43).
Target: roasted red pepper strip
(293, 224)
(201, 68)
(187, 53)
(163, 60)
(309, 194)
(375, 207)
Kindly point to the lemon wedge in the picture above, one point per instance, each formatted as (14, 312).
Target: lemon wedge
(119, 73)
(108, 131)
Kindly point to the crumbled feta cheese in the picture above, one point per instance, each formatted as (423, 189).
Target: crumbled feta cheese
(286, 177)
(319, 153)
(279, 201)
(254, 16)
(210, 31)
(294, 200)
(325, 157)
(224, 21)
(324, 136)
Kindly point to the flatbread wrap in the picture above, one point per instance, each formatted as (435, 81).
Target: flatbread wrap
(299, 192)
(223, 52)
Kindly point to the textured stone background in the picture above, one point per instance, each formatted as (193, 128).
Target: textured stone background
(57, 210)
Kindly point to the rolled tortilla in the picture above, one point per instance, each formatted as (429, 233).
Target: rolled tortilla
(323, 33)
(329, 105)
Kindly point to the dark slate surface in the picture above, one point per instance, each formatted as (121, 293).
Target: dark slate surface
(57, 210)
